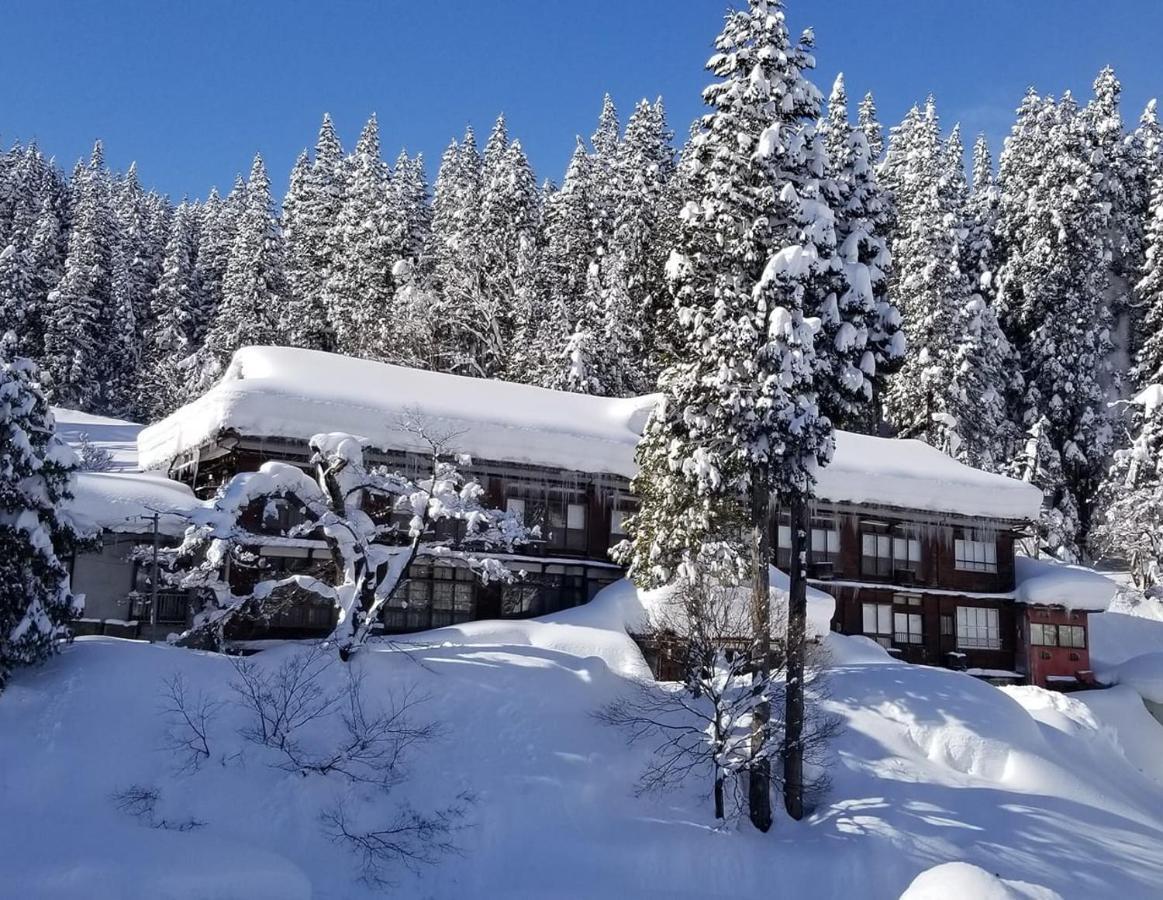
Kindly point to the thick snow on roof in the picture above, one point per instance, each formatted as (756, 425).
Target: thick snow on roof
(912, 475)
(1046, 582)
(120, 501)
(114, 435)
(281, 392)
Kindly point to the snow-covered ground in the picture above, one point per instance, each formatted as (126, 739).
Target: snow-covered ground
(114, 435)
(1049, 794)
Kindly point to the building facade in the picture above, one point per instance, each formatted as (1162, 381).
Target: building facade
(917, 550)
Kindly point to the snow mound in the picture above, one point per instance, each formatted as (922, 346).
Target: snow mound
(1116, 637)
(1047, 582)
(1144, 674)
(962, 881)
(122, 501)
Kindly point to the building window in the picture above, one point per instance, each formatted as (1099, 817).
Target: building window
(906, 550)
(978, 628)
(907, 628)
(1073, 636)
(618, 522)
(946, 626)
(825, 539)
(435, 595)
(975, 556)
(1043, 635)
(875, 550)
(516, 505)
(878, 622)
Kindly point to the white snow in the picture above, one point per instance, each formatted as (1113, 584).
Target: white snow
(962, 881)
(122, 501)
(116, 436)
(1037, 789)
(1143, 674)
(1047, 582)
(281, 392)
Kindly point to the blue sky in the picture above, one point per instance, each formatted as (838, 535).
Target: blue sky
(192, 90)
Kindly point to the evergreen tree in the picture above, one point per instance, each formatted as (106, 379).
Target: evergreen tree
(358, 290)
(920, 401)
(216, 229)
(76, 330)
(739, 418)
(860, 341)
(36, 537)
(1052, 302)
(255, 307)
(870, 125)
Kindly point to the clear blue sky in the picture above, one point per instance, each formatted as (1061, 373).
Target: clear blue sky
(192, 90)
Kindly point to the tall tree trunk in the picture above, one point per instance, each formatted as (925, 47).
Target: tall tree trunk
(797, 614)
(759, 786)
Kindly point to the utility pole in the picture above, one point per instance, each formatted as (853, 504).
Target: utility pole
(153, 579)
(797, 614)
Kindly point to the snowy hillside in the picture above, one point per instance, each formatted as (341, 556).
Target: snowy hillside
(932, 767)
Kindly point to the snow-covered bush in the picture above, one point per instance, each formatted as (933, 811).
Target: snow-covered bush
(375, 524)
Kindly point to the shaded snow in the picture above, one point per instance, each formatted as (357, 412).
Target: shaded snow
(116, 436)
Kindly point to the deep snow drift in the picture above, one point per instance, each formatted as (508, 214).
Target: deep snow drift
(932, 767)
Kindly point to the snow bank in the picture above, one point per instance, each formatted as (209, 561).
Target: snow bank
(120, 501)
(1144, 674)
(962, 881)
(1116, 637)
(283, 392)
(1047, 582)
(116, 436)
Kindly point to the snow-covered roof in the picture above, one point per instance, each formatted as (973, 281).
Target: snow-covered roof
(283, 392)
(120, 501)
(116, 436)
(1047, 582)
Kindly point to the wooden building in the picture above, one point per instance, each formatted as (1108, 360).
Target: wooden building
(917, 550)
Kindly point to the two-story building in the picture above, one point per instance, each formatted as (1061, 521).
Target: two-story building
(917, 549)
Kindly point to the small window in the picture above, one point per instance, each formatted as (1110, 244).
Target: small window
(975, 556)
(516, 506)
(877, 622)
(978, 628)
(825, 539)
(907, 628)
(575, 517)
(1072, 636)
(876, 553)
(946, 626)
(617, 521)
(1044, 635)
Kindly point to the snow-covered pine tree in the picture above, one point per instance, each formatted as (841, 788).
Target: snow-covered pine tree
(739, 421)
(79, 306)
(120, 371)
(1052, 302)
(309, 212)
(860, 340)
(179, 323)
(255, 307)
(927, 283)
(409, 209)
(16, 303)
(217, 223)
(1144, 149)
(358, 290)
(870, 125)
(36, 602)
(46, 259)
(1148, 368)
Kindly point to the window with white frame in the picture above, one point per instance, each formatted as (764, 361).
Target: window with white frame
(516, 505)
(875, 549)
(877, 622)
(975, 556)
(978, 628)
(907, 628)
(825, 539)
(906, 549)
